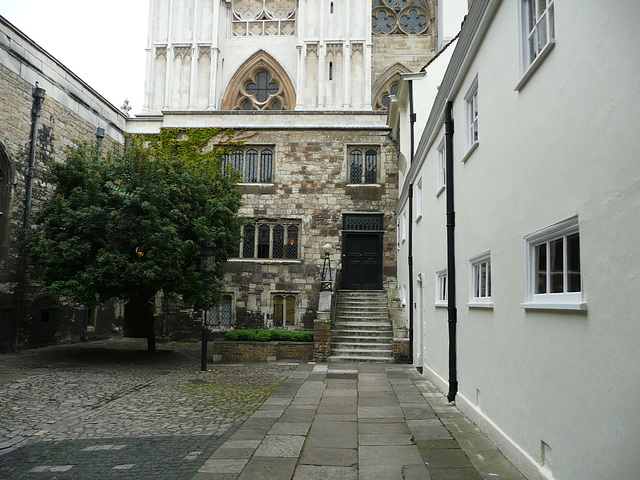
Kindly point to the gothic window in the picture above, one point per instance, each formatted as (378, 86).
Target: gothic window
(263, 17)
(284, 310)
(409, 17)
(385, 98)
(252, 164)
(386, 85)
(260, 84)
(274, 240)
(363, 171)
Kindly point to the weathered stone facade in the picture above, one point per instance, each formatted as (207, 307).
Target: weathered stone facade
(310, 186)
(71, 111)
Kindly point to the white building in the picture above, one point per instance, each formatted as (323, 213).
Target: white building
(546, 196)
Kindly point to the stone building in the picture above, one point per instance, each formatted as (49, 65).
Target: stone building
(70, 111)
(308, 82)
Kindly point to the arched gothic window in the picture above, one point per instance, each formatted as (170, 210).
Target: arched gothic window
(409, 17)
(271, 241)
(363, 171)
(252, 164)
(284, 310)
(260, 84)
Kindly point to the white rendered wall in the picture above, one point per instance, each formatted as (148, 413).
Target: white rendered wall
(564, 145)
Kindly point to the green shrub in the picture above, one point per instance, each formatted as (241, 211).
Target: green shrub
(257, 335)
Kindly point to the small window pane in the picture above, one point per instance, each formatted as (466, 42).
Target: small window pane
(541, 268)
(248, 242)
(355, 169)
(371, 167)
(266, 166)
(292, 242)
(214, 315)
(573, 263)
(236, 160)
(225, 315)
(251, 167)
(556, 263)
(263, 241)
(278, 241)
(225, 163)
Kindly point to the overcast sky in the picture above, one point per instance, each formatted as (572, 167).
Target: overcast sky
(103, 42)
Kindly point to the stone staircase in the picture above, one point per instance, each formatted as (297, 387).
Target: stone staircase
(362, 331)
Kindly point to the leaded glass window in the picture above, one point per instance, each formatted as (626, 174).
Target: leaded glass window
(355, 167)
(222, 315)
(371, 167)
(237, 158)
(292, 242)
(278, 241)
(248, 242)
(264, 234)
(277, 311)
(251, 166)
(363, 222)
(266, 165)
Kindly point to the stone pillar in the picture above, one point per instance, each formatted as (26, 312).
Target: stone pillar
(321, 339)
(401, 350)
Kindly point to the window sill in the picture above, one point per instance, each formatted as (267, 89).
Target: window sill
(477, 304)
(534, 65)
(441, 305)
(440, 190)
(470, 151)
(580, 306)
(265, 260)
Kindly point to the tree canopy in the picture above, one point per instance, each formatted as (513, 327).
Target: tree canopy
(131, 224)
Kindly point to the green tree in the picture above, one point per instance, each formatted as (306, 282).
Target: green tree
(129, 225)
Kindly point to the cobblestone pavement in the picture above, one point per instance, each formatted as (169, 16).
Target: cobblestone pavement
(108, 409)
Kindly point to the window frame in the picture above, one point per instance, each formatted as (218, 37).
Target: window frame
(233, 159)
(218, 310)
(529, 63)
(285, 296)
(418, 199)
(364, 154)
(291, 234)
(441, 173)
(471, 118)
(475, 281)
(442, 288)
(565, 300)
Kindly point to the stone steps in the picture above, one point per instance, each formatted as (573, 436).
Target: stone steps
(362, 330)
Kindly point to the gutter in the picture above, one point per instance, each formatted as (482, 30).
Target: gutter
(452, 312)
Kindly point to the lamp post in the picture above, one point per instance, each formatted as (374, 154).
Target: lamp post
(326, 269)
(207, 266)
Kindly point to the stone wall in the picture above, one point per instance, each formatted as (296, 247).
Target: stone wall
(71, 111)
(310, 186)
(261, 351)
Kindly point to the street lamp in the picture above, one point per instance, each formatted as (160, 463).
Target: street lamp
(207, 266)
(326, 269)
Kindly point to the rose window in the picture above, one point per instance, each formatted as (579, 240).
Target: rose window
(400, 16)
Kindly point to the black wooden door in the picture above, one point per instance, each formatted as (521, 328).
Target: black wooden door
(362, 261)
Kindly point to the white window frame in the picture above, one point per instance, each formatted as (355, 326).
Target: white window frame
(404, 226)
(540, 30)
(418, 198)
(479, 278)
(442, 288)
(442, 168)
(471, 118)
(403, 299)
(558, 301)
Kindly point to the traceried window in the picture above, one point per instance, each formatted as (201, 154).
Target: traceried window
(270, 240)
(384, 101)
(284, 310)
(254, 164)
(263, 17)
(537, 30)
(553, 267)
(261, 92)
(222, 315)
(410, 17)
(363, 168)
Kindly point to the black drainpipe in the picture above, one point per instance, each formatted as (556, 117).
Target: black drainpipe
(38, 95)
(412, 119)
(451, 257)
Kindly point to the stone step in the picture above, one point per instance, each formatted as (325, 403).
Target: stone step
(360, 309)
(360, 358)
(359, 337)
(370, 352)
(363, 324)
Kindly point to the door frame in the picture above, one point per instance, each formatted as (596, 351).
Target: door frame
(375, 222)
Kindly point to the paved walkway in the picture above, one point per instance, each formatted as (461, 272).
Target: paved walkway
(357, 421)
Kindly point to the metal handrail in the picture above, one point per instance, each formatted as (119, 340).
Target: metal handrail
(336, 290)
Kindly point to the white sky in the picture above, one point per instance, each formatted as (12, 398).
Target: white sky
(103, 42)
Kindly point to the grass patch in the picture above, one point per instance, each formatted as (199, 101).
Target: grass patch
(259, 335)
